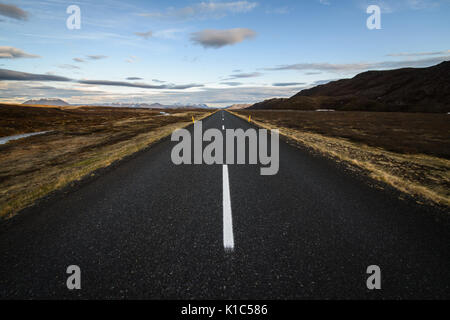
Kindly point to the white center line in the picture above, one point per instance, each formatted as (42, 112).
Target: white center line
(223, 127)
(228, 237)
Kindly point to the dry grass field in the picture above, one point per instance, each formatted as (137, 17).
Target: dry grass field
(409, 151)
(81, 140)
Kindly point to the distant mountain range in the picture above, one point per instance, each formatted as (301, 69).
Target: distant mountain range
(47, 102)
(239, 106)
(405, 90)
(59, 102)
(158, 105)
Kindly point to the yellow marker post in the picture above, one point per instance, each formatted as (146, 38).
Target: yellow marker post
(249, 118)
(193, 120)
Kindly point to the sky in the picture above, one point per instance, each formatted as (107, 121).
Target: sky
(217, 53)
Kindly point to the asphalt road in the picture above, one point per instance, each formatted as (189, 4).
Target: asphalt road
(150, 229)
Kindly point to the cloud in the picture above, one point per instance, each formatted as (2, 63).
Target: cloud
(134, 78)
(391, 6)
(288, 84)
(11, 11)
(419, 54)
(68, 66)
(245, 75)
(359, 67)
(140, 85)
(232, 83)
(325, 2)
(78, 60)
(19, 92)
(158, 81)
(14, 53)
(131, 59)
(144, 35)
(168, 33)
(23, 76)
(211, 38)
(97, 57)
(204, 10)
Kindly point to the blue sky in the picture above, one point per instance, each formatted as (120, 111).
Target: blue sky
(214, 52)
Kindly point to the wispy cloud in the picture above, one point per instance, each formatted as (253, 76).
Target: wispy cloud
(12, 11)
(14, 53)
(140, 85)
(145, 35)
(168, 33)
(391, 6)
(68, 66)
(363, 66)
(96, 57)
(288, 84)
(232, 83)
(203, 10)
(78, 60)
(211, 38)
(131, 59)
(134, 78)
(419, 54)
(245, 75)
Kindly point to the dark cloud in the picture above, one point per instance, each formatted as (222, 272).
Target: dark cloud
(23, 76)
(14, 12)
(134, 78)
(288, 84)
(211, 38)
(14, 53)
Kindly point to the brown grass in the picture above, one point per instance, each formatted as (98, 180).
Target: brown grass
(82, 140)
(407, 151)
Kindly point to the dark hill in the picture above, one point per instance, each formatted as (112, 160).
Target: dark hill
(406, 90)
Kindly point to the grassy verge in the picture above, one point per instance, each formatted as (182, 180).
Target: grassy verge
(34, 167)
(424, 176)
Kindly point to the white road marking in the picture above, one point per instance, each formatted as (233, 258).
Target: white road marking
(228, 237)
(223, 127)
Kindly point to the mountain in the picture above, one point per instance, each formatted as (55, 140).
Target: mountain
(158, 105)
(47, 102)
(403, 90)
(239, 106)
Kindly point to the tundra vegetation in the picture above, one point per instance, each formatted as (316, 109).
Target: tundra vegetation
(408, 151)
(81, 140)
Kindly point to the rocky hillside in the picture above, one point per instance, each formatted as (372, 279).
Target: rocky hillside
(405, 90)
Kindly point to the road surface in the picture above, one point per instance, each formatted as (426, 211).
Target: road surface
(150, 229)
